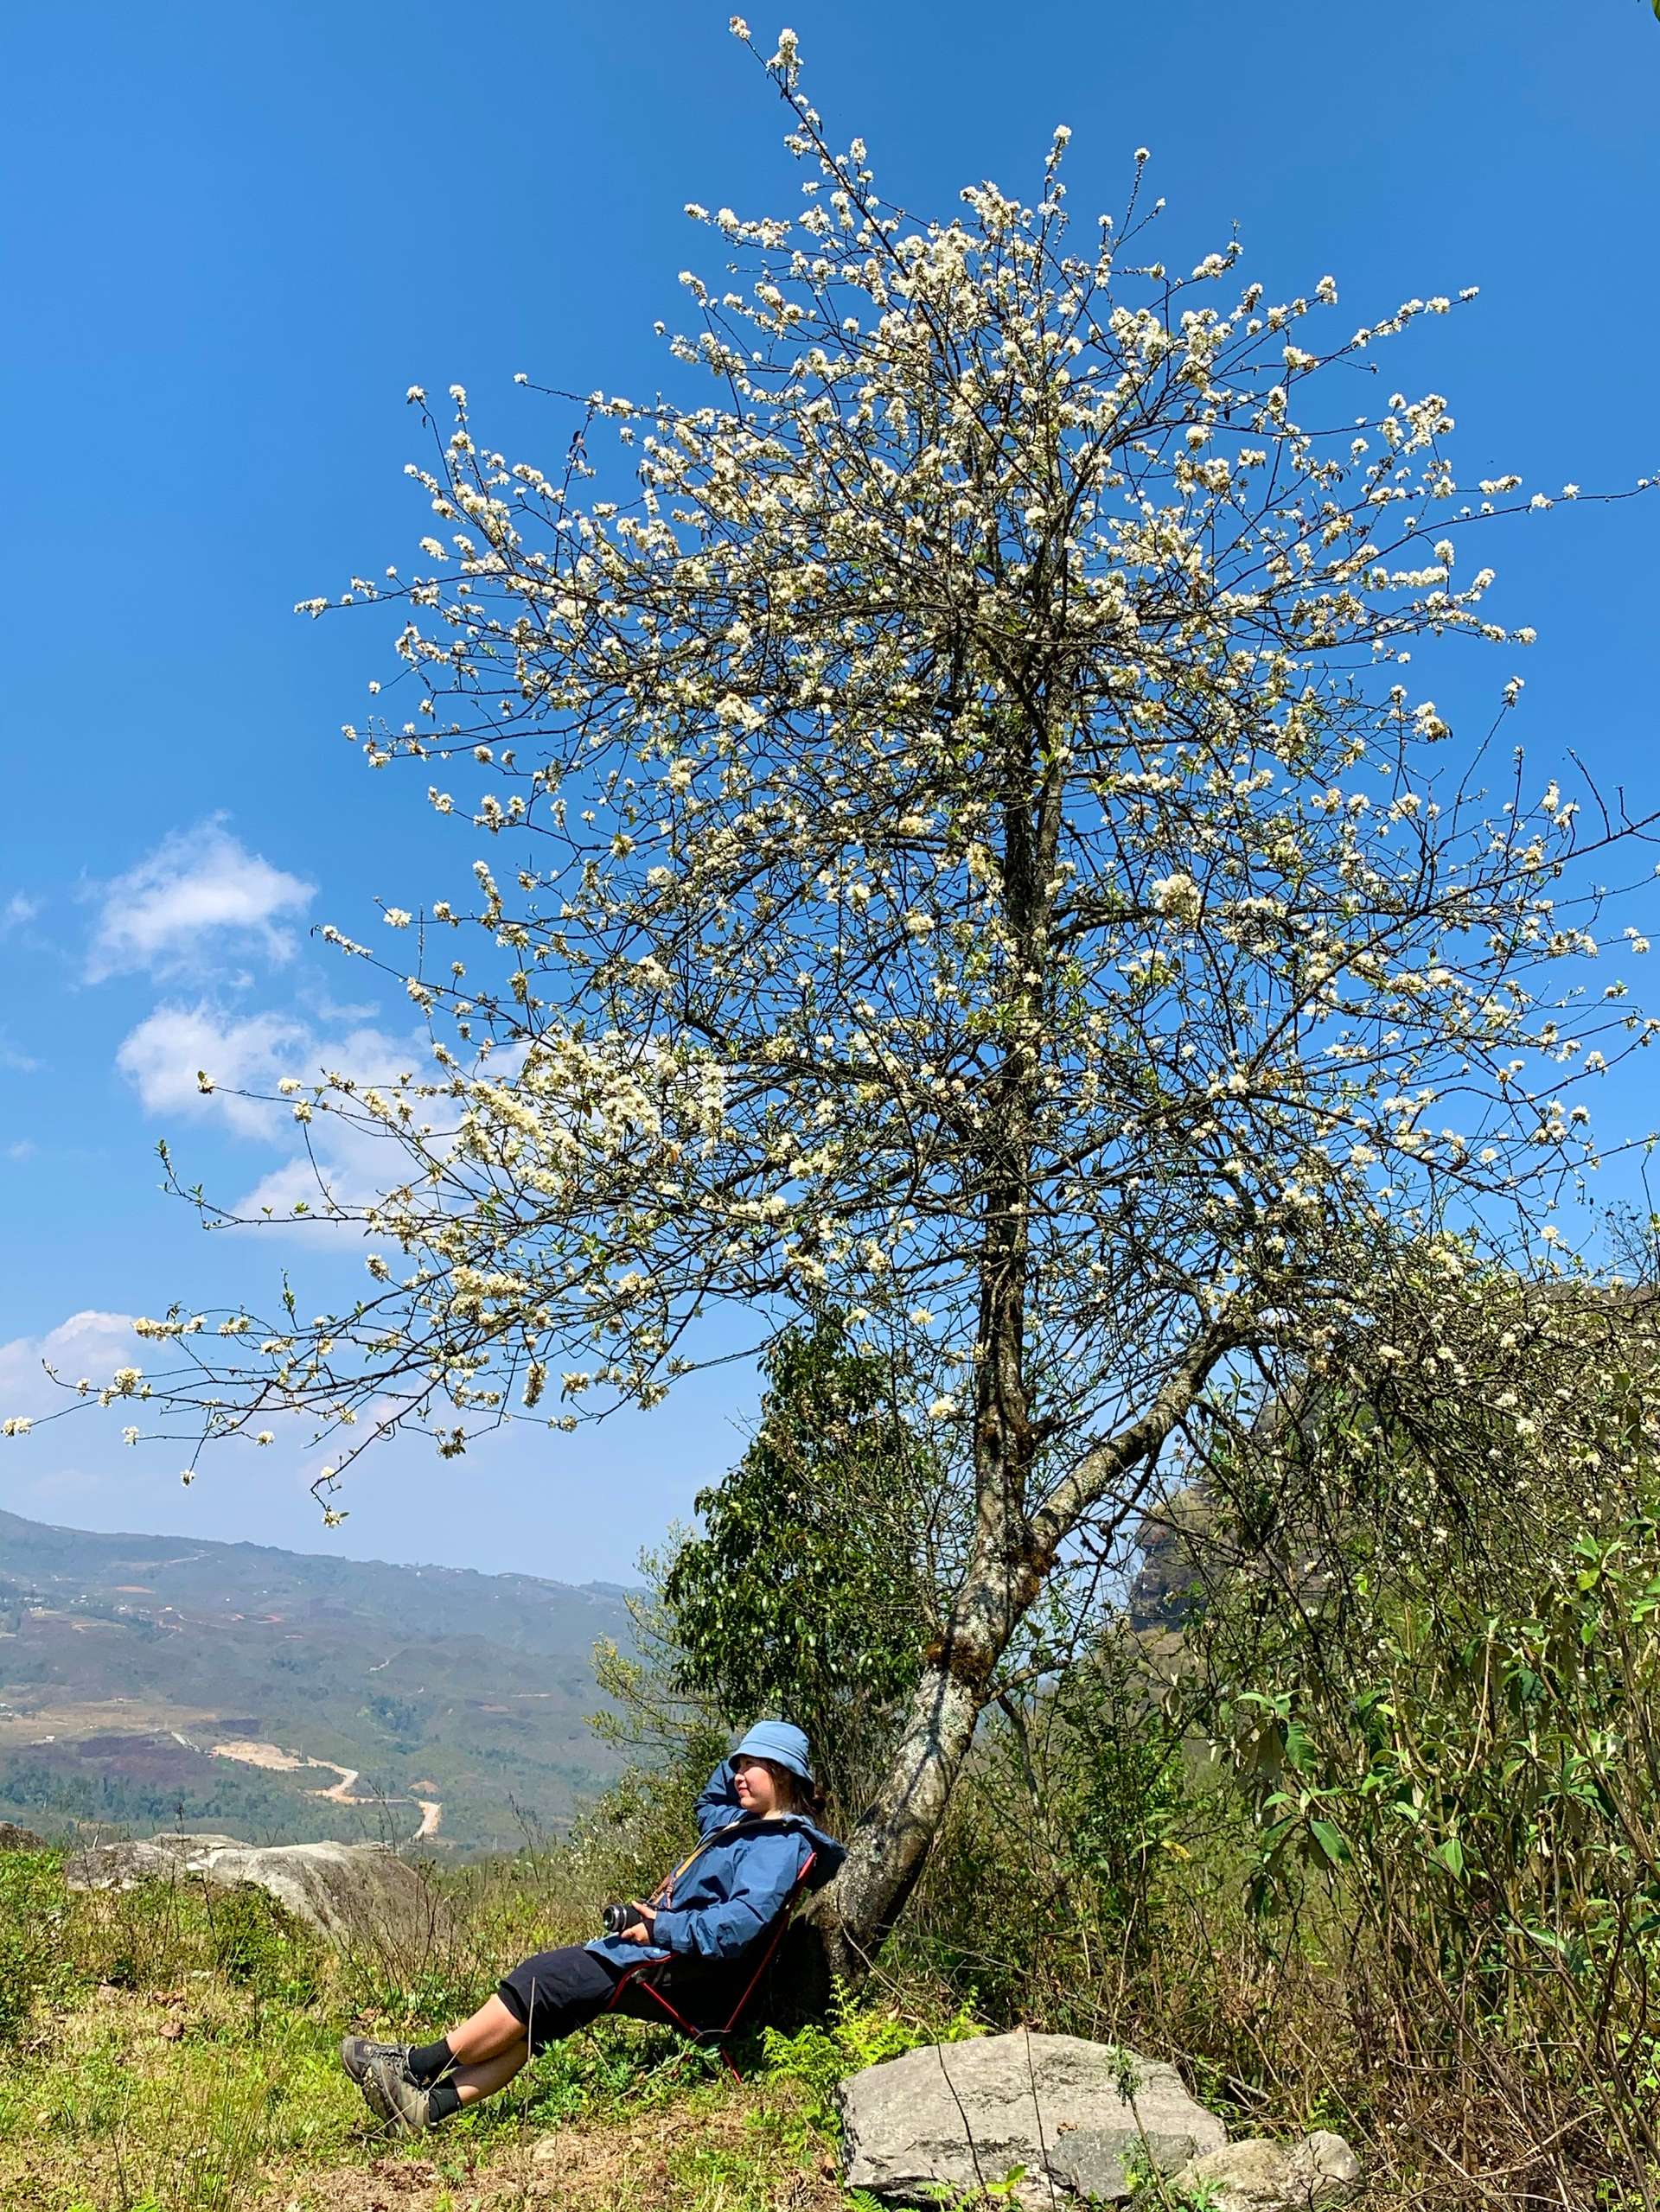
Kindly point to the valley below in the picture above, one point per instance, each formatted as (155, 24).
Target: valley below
(289, 1698)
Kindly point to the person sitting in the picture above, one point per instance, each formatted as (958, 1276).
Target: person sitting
(695, 1940)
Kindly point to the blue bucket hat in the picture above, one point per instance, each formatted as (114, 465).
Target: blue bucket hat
(779, 1740)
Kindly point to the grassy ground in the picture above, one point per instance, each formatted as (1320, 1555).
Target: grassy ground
(173, 2049)
(154, 2107)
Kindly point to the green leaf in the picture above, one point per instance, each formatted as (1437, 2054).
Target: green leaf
(1329, 1840)
(1546, 1936)
(1451, 1854)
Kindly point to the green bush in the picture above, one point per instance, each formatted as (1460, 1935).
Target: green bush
(1432, 1678)
(160, 1933)
(802, 1595)
(34, 1965)
(1044, 1896)
(820, 2057)
(261, 1947)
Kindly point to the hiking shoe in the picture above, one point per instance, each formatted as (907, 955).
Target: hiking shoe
(394, 2095)
(357, 2054)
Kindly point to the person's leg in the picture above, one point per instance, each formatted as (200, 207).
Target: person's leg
(491, 2031)
(415, 2090)
(543, 1999)
(481, 2040)
(483, 2080)
(547, 1998)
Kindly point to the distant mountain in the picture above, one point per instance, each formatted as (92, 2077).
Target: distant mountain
(148, 1680)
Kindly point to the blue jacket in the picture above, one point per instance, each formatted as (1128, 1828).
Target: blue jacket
(733, 1885)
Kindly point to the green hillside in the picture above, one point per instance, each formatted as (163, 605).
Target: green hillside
(281, 1696)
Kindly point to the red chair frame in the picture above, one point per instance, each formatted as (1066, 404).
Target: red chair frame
(716, 2035)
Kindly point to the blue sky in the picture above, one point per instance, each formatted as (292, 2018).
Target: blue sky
(238, 235)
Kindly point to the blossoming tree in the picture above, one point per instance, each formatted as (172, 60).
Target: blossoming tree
(964, 849)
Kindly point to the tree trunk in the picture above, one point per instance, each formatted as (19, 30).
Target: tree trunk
(891, 1843)
(845, 1928)
(1006, 1571)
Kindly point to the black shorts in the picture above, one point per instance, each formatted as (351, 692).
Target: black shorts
(553, 1993)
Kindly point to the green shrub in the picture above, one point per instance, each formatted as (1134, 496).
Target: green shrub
(819, 2057)
(803, 1593)
(160, 1933)
(148, 1937)
(34, 1965)
(1043, 1896)
(261, 1947)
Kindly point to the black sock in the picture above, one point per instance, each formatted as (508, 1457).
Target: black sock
(429, 2062)
(442, 2101)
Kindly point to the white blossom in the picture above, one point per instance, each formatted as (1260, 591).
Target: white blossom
(1177, 895)
(944, 776)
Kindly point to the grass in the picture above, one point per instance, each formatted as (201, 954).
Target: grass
(174, 2050)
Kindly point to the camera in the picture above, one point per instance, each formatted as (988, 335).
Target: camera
(617, 1919)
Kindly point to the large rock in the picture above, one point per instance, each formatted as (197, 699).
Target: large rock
(356, 1895)
(964, 2114)
(1178, 1541)
(1256, 2175)
(12, 1838)
(123, 1865)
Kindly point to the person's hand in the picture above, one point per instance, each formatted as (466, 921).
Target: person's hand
(643, 1931)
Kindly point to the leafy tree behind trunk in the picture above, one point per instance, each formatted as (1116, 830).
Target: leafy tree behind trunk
(805, 1595)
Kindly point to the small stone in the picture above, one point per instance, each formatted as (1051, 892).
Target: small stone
(1327, 2167)
(1096, 2164)
(1316, 2175)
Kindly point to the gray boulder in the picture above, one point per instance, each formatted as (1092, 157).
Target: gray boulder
(359, 1895)
(964, 2114)
(1256, 2175)
(123, 1865)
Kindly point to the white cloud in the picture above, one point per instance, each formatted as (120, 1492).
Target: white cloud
(90, 1344)
(347, 1164)
(18, 910)
(248, 1052)
(162, 1056)
(350, 1173)
(199, 894)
